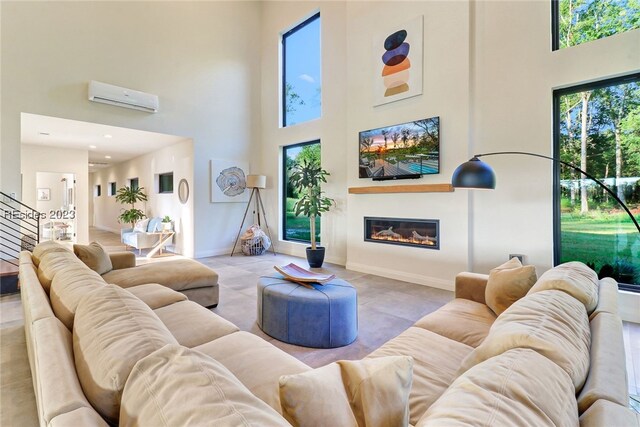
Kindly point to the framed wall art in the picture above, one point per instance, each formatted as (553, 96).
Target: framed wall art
(397, 59)
(229, 181)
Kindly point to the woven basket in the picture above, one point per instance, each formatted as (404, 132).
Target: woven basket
(252, 246)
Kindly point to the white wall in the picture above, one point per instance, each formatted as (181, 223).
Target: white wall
(329, 128)
(177, 158)
(36, 159)
(201, 58)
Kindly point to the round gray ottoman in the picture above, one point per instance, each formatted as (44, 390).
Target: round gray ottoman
(323, 317)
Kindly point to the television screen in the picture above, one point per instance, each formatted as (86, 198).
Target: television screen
(409, 150)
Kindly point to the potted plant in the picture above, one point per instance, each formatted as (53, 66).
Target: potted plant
(166, 223)
(130, 196)
(306, 178)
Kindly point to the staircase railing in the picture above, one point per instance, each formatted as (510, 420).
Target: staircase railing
(19, 228)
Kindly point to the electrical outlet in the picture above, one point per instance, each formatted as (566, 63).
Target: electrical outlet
(519, 256)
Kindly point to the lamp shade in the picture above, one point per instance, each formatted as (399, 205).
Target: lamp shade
(256, 181)
(474, 174)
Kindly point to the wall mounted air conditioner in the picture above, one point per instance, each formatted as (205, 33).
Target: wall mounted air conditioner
(122, 97)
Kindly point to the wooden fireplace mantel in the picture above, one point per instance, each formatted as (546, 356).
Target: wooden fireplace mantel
(406, 188)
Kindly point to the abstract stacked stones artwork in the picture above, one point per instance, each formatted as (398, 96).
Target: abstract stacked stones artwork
(396, 63)
(398, 66)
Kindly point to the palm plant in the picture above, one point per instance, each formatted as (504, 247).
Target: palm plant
(130, 196)
(306, 178)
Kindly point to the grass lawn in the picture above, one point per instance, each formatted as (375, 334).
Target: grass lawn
(298, 226)
(600, 239)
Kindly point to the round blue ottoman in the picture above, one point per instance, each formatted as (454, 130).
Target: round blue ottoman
(323, 317)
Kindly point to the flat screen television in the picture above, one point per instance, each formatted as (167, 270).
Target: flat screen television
(404, 151)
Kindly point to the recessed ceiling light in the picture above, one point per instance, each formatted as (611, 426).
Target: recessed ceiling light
(107, 157)
(108, 136)
(93, 147)
(91, 164)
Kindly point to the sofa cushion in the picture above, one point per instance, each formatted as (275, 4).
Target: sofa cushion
(508, 283)
(78, 417)
(604, 413)
(58, 384)
(316, 398)
(191, 324)
(155, 295)
(51, 263)
(574, 278)
(462, 320)
(154, 225)
(176, 386)
(371, 392)
(607, 377)
(94, 256)
(142, 225)
(112, 331)
(607, 297)
(45, 247)
(255, 362)
(178, 275)
(517, 388)
(552, 323)
(435, 362)
(68, 287)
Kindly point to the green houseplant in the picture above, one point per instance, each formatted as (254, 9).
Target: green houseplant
(166, 223)
(130, 196)
(307, 177)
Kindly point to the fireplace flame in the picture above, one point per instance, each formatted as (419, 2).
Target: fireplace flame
(404, 240)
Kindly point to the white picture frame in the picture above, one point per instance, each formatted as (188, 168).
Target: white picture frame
(44, 194)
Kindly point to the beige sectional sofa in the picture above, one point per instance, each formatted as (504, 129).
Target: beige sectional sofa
(146, 355)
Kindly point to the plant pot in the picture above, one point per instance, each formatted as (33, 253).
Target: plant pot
(315, 257)
(167, 226)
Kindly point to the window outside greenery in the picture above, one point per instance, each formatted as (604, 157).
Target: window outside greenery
(297, 227)
(581, 21)
(599, 132)
(301, 83)
(165, 182)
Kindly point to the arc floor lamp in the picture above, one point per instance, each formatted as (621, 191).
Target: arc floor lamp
(477, 174)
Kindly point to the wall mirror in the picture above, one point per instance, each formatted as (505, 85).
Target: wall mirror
(183, 191)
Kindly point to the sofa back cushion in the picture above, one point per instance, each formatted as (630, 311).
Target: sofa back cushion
(112, 331)
(574, 278)
(51, 263)
(552, 323)
(68, 287)
(517, 388)
(607, 377)
(508, 283)
(176, 386)
(44, 247)
(94, 256)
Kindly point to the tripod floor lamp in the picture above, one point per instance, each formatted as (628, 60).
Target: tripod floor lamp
(255, 182)
(477, 174)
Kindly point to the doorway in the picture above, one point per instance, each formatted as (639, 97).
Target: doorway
(56, 199)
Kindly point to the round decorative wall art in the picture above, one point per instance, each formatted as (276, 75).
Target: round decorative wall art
(231, 181)
(183, 191)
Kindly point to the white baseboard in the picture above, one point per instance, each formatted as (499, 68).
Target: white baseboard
(629, 306)
(401, 275)
(213, 252)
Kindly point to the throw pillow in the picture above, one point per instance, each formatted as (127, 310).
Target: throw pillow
(141, 225)
(371, 392)
(508, 283)
(94, 256)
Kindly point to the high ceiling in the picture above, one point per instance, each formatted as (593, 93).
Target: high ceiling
(119, 144)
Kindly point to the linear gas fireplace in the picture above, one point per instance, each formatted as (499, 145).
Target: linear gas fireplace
(421, 233)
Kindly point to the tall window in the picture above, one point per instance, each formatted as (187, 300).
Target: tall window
(580, 21)
(112, 189)
(134, 183)
(294, 227)
(597, 128)
(301, 84)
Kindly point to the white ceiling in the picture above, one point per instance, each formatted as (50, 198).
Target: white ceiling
(119, 143)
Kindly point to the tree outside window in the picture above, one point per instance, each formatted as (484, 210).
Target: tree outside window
(598, 130)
